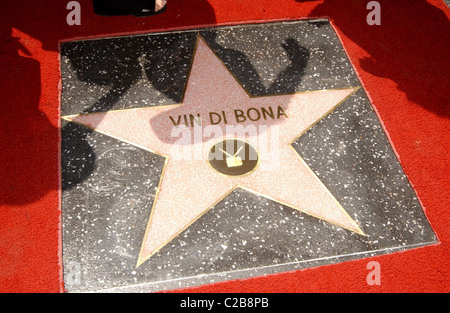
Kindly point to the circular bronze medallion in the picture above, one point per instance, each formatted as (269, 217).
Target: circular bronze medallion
(233, 157)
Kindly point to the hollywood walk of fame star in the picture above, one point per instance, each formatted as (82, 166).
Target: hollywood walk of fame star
(189, 187)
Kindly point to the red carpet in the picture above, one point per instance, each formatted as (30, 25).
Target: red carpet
(403, 65)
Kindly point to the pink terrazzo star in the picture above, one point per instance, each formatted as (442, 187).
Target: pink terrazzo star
(189, 186)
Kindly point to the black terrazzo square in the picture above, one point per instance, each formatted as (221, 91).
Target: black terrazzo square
(109, 186)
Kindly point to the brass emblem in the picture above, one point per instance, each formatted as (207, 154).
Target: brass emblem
(233, 157)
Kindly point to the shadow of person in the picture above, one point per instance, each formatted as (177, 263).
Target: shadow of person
(119, 72)
(25, 130)
(119, 66)
(29, 164)
(28, 151)
(239, 65)
(29, 60)
(410, 47)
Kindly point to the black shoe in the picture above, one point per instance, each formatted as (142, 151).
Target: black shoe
(150, 12)
(126, 7)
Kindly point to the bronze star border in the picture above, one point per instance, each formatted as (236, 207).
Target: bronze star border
(212, 87)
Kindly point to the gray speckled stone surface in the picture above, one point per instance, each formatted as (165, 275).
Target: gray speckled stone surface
(109, 186)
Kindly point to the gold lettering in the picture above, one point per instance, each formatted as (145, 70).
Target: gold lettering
(281, 112)
(197, 119)
(211, 119)
(177, 122)
(258, 115)
(239, 115)
(224, 117)
(269, 113)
